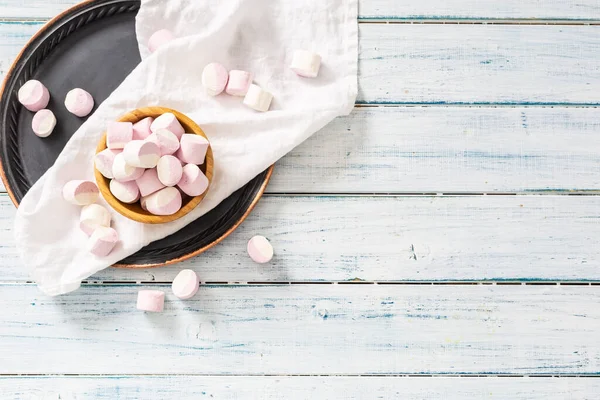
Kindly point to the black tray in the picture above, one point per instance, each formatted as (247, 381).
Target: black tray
(93, 45)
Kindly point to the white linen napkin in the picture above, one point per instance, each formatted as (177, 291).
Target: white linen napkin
(254, 35)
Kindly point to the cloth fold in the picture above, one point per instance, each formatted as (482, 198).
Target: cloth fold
(252, 35)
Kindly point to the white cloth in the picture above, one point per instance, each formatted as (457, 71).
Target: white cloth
(254, 35)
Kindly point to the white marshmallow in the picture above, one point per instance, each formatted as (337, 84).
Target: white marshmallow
(169, 122)
(124, 172)
(164, 202)
(186, 284)
(260, 250)
(118, 134)
(92, 217)
(34, 95)
(79, 102)
(306, 63)
(258, 99)
(125, 192)
(238, 83)
(167, 141)
(81, 193)
(193, 149)
(141, 154)
(169, 170)
(151, 300)
(214, 79)
(103, 241)
(193, 182)
(104, 162)
(43, 123)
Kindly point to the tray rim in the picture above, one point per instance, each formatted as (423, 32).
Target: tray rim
(49, 25)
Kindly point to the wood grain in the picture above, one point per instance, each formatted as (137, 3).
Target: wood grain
(294, 388)
(298, 329)
(390, 239)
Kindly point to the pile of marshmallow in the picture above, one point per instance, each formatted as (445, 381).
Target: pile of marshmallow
(35, 97)
(153, 161)
(186, 283)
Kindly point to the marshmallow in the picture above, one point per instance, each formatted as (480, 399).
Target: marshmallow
(169, 122)
(104, 162)
(159, 39)
(186, 284)
(149, 183)
(193, 182)
(125, 192)
(124, 172)
(34, 95)
(260, 250)
(141, 154)
(79, 102)
(81, 193)
(93, 217)
(306, 63)
(118, 134)
(143, 201)
(167, 141)
(170, 170)
(258, 99)
(103, 241)
(166, 201)
(214, 79)
(239, 82)
(192, 149)
(151, 300)
(43, 123)
(141, 129)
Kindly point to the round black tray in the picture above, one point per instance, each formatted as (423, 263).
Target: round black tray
(93, 45)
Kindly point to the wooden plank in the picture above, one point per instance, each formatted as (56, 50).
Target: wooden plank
(305, 329)
(447, 64)
(386, 9)
(390, 239)
(297, 387)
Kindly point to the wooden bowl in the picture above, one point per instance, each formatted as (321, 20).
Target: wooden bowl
(135, 211)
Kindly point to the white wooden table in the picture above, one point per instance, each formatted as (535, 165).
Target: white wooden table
(440, 242)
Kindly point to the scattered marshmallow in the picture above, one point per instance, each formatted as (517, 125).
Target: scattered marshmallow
(34, 95)
(125, 192)
(166, 201)
(214, 79)
(118, 135)
(193, 182)
(141, 154)
(306, 63)
(93, 217)
(141, 129)
(43, 123)
(258, 99)
(149, 182)
(192, 149)
(239, 82)
(103, 241)
(166, 140)
(104, 162)
(159, 39)
(124, 172)
(81, 193)
(151, 300)
(169, 122)
(186, 284)
(170, 170)
(260, 250)
(79, 102)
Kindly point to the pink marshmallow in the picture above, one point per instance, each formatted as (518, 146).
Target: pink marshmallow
(92, 217)
(151, 300)
(149, 183)
(239, 82)
(124, 172)
(81, 193)
(141, 154)
(166, 140)
(170, 170)
(43, 123)
(103, 241)
(34, 95)
(186, 284)
(169, 122)
(193, 182)
(166, 201)
(214, 78)
(125, 192)
(79, 102)
(118, 134)
(159, 39)
(141, 129)
(104, 162)
(192, 149)
(260, 250)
